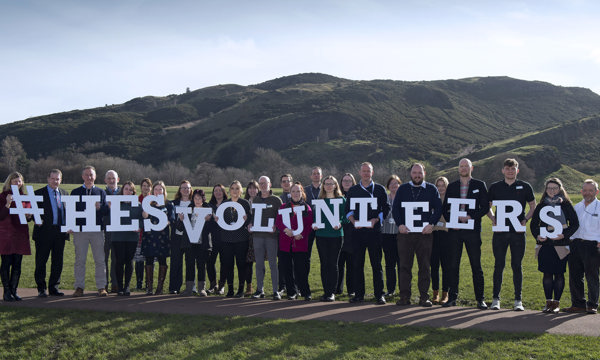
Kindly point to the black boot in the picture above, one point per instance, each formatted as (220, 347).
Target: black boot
(7, 294)
(5, 280)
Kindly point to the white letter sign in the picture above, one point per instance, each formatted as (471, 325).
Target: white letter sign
(320, 207)
(455, 213)
(502, 215)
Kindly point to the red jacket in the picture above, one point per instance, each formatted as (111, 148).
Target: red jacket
(14, 236)
(289, 244)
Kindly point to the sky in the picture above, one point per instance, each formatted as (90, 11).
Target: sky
(64, 55)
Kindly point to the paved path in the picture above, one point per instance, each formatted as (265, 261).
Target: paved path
(454, 317)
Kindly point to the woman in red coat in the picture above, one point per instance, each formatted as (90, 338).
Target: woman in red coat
(14, 238)
(294, 248)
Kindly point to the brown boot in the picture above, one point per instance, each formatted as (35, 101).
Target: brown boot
(549, 306)
(249, 290)
(435, 297)
(149, 279)
(162, 274)
(444, 298)
(555, 307)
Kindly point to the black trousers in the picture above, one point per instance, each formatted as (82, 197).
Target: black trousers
(196, 257)
(176, 270)
(441, 255)
(295, 268)
(389, 244)
(367, 239)
(123, 251)
(109, 259)
(500, 243)
(472, 241)
(53, 245)
(345, 261)
(211, 269)
(329, 251)
(311, 241)
(584, 259)
(234, 254)
(10, 270)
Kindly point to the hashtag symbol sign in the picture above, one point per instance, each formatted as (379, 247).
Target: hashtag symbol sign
(21, 210)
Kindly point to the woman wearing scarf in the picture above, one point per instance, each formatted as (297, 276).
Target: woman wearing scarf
(552, 253)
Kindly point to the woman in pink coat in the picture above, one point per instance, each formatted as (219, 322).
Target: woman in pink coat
(294, 254)
(14, 238)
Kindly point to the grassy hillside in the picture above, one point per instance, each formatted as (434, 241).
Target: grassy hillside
(320, 119)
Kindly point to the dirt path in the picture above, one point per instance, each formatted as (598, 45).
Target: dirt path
(454, 317)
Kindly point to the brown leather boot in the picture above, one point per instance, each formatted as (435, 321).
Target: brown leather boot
(555, 307)
(444, 298)
(549, 306)
(435, 297)
(249, 290)
(162, 274)
(149, 279)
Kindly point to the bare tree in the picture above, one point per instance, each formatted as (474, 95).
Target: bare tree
(13, 154)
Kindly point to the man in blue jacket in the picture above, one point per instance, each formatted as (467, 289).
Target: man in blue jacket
(415, 225)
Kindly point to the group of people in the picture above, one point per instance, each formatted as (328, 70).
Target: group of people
(431, 221)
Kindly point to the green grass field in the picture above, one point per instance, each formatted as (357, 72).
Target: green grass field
(57, 334)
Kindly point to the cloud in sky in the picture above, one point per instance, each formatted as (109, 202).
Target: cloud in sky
(64, 55)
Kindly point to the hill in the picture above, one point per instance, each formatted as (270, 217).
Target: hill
(321, 119)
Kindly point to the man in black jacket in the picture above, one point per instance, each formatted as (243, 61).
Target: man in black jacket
(48, 238)
(368, 237)
(466, 188)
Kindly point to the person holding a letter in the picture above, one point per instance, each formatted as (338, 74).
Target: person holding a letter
(553, 223)
(366, 207)
(156, 242)
(234, 216)
(48, 238)
(510, 197)
(585, 252)
(264, 236)
(89, 233)
(294, 221)
(466, 202)
(14, 237)
(416, 209)
(124, 243)
(328, 211)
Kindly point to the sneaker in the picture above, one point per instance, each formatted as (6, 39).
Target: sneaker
(481, 305)
(591, 310)
(42, 294)
(258, 295)
(102, 292)
(495, 304)
(78, 292)
(518, 306)
(380, 300)
(276, 295)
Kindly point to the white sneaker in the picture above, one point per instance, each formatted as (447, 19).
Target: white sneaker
(518, 306)
(495, 304)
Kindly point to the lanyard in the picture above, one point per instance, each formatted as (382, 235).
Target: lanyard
(370, 192)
